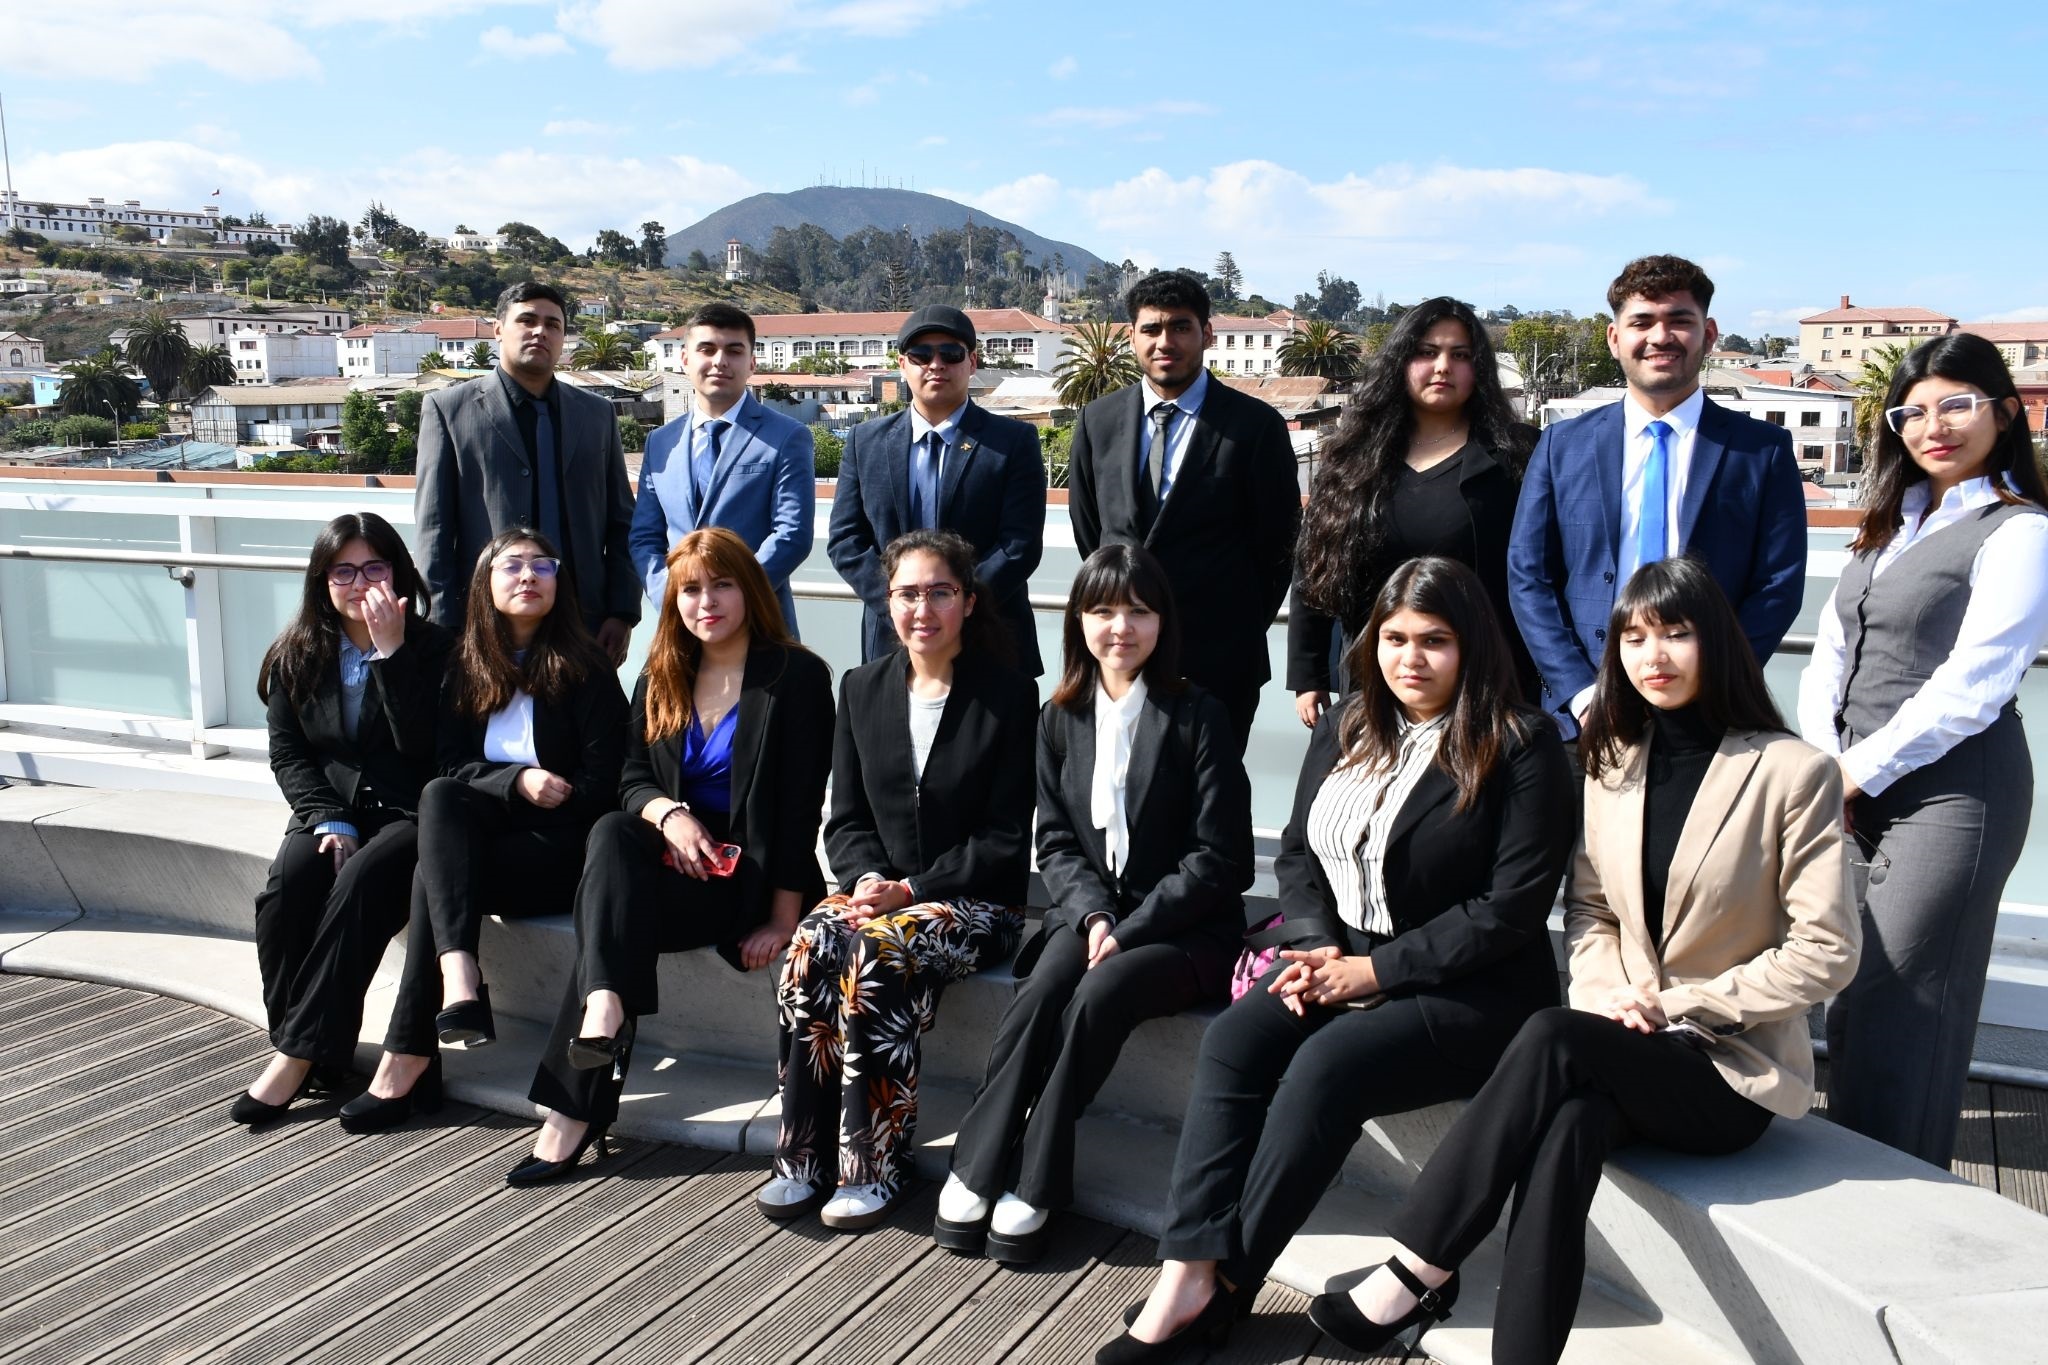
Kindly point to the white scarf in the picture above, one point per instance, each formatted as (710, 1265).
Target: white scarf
(1116, 725)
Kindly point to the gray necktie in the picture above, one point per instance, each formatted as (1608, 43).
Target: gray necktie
(925, 480)
(1155, 451)
(550, 488)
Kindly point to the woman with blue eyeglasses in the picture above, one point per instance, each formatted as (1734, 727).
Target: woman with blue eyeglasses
(1921, 651)
(532, 740)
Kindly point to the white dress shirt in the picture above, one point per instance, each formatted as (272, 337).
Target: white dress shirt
(1116, 726)
(508, 735)
(1351, 822)
(1180, 428)
(948, 429)
(2002, 631)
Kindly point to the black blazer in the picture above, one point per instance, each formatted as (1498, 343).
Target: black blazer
(327, 776)
(1189, 806)
(781, 756)
(581, 739)
(1490, 491)
(992, 492)
(965, 831)
(1226, 533)
(1470, 891)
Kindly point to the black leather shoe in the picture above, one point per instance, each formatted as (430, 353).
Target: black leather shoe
(468, 1024)
(1244, 1298)
(534, 1171)
(255, 1113)
(591, 1053)
(1339, 1318)
(368, 1113)
(1208, 1328)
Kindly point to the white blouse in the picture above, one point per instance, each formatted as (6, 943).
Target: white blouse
(1351, 822)
(508, 735)
(1116, 726)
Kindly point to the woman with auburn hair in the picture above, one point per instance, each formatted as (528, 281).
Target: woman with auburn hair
(1145, 844)
(715, 841)
(532, 731)
(1708, 910)
(350, 689)
(1914, 684)
(928, 840)
(1431, 826)
(1426, 461)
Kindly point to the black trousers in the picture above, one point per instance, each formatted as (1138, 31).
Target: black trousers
(1569, 1090)
(1241, 700)
(630, 908)
(320, 934)
(1278, 1101)
(1055, 1046)
(478, 856)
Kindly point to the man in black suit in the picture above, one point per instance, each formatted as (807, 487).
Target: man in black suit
(519, 449)
(942, 463)
(1202, 476)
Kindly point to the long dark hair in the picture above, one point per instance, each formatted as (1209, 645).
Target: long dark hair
(562, 653)
(1112, 576)
(983, 632)
(304, 651)
(1732, 693)
(1345, 524)
(1482, 716)
(672, 658)
(1967, 359)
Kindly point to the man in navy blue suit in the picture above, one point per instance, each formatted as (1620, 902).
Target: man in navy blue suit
(941, 463)
(731, 461)
(1663, 472)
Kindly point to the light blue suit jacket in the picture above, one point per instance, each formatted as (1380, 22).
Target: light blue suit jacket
(763, 489)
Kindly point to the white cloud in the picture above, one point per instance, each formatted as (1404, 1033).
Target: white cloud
(1105, 117)
(578, 127)
(1024, 201)
(657, 35)
(2030, 314)
(1780, 321)
(1063, 68)
(876, 18)
(499, 41)
(129, 41)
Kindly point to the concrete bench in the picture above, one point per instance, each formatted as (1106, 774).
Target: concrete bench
(1816, 1245)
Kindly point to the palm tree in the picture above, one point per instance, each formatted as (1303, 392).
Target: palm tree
(209, 366)
(431, 361)
(480, 356)
(1099, 361)
(604, 351)
(1320, 347)
(160, 349)
(98, 385)
(1872, 386)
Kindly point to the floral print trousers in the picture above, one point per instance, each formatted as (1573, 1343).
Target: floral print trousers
(855, 1004)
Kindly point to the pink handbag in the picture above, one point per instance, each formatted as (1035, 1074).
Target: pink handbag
(1253, 963)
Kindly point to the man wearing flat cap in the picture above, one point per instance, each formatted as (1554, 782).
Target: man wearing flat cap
(941, 463)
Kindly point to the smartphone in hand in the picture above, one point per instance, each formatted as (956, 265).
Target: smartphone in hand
(724, 862)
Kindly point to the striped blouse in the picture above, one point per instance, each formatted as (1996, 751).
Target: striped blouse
(1352, 818)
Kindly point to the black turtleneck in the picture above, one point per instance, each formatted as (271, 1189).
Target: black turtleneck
(1682, 744)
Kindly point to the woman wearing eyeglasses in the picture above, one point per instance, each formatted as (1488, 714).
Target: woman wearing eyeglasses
(928, 837)
(1920, 655)
(729, 748)
(350, 690)
(532, 737)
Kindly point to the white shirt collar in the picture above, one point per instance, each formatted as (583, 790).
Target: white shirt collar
(948, 430)
(1683, 419)
(730, 416)
(1190, 399)
(1969, 494)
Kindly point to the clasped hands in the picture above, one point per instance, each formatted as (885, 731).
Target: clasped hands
(1323, 976)
(874, 897)
(1633, 1006)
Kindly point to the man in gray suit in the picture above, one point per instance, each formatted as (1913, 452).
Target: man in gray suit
(519, 449)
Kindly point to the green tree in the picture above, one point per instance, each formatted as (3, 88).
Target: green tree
(1776, 346)
(632, 434)
(1056, 444)
(827, 446)
(207, 367)
(821, 364)
(1335, 299)
(159, 348)
(616, 248)
(604, 351)
(405, 415)
(1873, 385)
(1735, 341)
(653, 244)
(97, 384)
(130, 234)
(261, 250)
(1226, 279)
(83, 430)
(431, 361)
(1320, 347)
(479, 357)
(1099, 361)
(698, 261)
(364, 434)
(323, 241)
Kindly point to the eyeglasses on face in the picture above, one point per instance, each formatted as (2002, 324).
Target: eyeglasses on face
(1956, 410)
(949, 352)
(940, 595)
(343, 574)
(511, 566)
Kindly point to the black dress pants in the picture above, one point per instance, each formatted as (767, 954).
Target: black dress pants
(478, 856)
(1569, 1090)
(1278, 1101)
(320, 934)
(1055, 1046)
(630, 909)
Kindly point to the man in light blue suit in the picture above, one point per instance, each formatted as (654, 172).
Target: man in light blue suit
(1663, 472)
(731, 462)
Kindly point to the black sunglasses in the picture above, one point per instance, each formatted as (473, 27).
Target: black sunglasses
(951, 352)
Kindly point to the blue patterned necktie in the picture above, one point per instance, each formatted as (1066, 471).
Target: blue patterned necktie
(924, 479)
(705, 460)
(1652, 538)
(549, 476)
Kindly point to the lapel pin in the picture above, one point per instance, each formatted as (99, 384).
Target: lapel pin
(966, 445)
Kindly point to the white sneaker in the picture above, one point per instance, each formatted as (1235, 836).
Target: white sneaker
(958, 1204)
(786, 1198)
(857, 1207)
(1015, 1218)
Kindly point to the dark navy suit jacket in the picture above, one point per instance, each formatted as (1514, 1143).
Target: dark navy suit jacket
(1743, 515)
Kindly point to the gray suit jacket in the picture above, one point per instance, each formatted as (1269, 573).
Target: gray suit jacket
(475, 480)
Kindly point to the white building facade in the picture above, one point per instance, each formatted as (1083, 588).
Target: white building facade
(866, 341)
(274, 357)
(229, 415)
(1245, 345)
(215, 329)
(96, 221)
(378, 349)
(19, 352)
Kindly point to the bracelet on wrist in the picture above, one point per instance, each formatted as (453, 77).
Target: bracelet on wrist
(679, 808)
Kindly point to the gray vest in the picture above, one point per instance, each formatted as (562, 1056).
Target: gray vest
(1899, 628)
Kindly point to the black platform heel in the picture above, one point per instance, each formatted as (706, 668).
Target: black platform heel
(1339, 1318)
(534, 1171)
(468, 1024)
(1208, 1328)
(368, 1113)
(247, 1109)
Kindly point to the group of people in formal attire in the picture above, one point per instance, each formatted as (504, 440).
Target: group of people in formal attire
(1528, 662)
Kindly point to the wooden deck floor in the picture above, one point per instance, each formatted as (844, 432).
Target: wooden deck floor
(142, 1226)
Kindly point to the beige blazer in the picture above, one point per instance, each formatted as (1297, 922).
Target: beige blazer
(1760, 920)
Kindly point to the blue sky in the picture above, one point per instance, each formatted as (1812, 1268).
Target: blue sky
(1514, 153)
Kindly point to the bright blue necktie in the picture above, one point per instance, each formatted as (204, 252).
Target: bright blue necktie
(550, 487)
(705, 460)
(1652, 543)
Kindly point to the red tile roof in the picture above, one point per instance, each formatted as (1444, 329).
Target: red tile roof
(457, 329)
(2008, 331)
(1874, 315)
(370, 329)
(769, 326)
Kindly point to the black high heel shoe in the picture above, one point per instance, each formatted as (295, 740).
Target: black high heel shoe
(1245, 1296)
(368, 1113)
(468, 1024)
(1208, 1327)
(1339, 1318)
(247, 1109)
(588, 1053)
(534, 1171)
